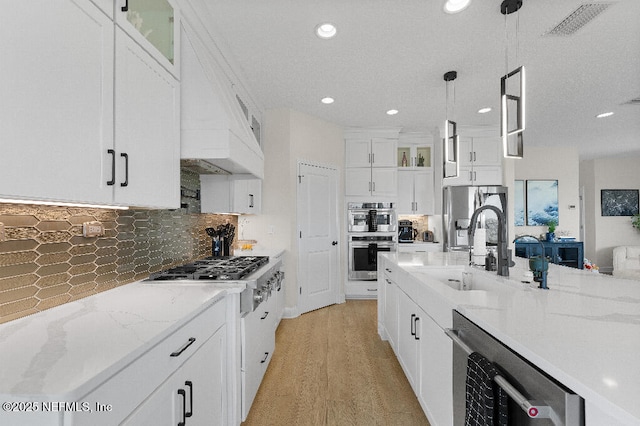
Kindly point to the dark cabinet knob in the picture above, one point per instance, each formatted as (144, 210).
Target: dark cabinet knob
(334, 243)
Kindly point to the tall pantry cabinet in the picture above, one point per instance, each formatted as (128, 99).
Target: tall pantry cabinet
(90, 114)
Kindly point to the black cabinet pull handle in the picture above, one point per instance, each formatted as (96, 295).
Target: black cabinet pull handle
(266, 355)
(184, 405)
(184, 348)
(189, 384)
(266, 314)
(334, 243)
(113, 166)
(416, 328)
(413, 331)
(125, 8)
(250, 200)
(126, 169)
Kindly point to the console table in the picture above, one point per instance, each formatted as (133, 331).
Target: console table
(567, 253)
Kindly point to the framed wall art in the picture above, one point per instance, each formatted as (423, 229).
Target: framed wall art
(619, 202)
(542, 202)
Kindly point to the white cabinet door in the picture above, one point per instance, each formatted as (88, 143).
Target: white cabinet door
(391, 312)
(408, 322)
(147, 137)
(384, 181)
(423, 192)
(487, 175)
(358, 181)
(246, 195)
(384, 152)
(57, 100)
(154, 25)
(487, 151)
(436, 370)
(405, 192)
(358, 152)
(196, 391)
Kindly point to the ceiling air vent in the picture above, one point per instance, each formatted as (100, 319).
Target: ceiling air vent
(634, 101)
(578, 19)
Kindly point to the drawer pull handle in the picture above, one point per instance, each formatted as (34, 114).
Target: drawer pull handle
(413, 323)
(266, 355)
(372, 289)
(184, 348)
(125, 8)
(266, 314)
(184, 406)
(189, 384)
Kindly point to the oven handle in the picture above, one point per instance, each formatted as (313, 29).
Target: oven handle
(534, 409)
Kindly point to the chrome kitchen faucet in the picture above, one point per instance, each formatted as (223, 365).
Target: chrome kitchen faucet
(503, 253)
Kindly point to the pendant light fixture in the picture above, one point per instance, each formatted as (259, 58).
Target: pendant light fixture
(451, 141)
(512, 93)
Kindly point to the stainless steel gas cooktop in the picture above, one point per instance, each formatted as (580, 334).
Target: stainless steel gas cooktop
(213, 268)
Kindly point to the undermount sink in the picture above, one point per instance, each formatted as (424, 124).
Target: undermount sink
(459, 279)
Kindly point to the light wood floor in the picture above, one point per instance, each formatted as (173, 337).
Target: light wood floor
(330, 367)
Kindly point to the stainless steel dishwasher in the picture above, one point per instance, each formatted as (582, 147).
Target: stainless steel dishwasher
(534, 397)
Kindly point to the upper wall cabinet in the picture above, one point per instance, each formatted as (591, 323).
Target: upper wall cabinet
(480, 162)
(57, 123)
(154, 25)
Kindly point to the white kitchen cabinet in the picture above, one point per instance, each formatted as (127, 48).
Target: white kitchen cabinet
(371, 152)
(258, 336)
(154, 25)
(146, 388)
(409, 335)
(57, 108)
(230, 194)
(194, 394)
(371, 166)
(61, 122)
(147, 129)
(416, 192)
(381, 182)
(415, 151)
(436, 369)
(480, 162)
(391, 311)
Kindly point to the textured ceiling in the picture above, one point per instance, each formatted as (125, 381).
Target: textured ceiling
(393, 54)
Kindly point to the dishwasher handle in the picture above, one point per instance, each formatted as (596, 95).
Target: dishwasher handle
(534, 409)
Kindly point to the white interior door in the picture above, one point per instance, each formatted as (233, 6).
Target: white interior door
(318, 250)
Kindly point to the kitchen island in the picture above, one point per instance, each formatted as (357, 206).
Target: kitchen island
(584, 331)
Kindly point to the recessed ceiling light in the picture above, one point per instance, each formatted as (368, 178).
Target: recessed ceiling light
(604, 114)
(392, 112)
(327, 100)
(484, 110)
(455, 6)
(326, 30)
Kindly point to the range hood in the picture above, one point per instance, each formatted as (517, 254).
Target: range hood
(215, 136)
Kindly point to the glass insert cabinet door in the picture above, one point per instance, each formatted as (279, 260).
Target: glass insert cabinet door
(154, 21)
(414, 156)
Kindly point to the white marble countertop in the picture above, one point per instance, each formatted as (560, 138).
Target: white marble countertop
(64, 352)
(584, 331)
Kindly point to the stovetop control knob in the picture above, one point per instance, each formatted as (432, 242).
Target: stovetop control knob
(258, 297)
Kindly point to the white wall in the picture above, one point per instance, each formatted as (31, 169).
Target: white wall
(608, 231)
(543, 163)
(290, 136)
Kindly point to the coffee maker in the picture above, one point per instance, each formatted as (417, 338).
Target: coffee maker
(406, 232)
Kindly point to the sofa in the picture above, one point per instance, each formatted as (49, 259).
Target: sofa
(626, 262)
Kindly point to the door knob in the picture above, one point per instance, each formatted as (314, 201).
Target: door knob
(334, 243)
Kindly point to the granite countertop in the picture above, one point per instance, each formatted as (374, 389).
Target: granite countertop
(66, 351)
(584, 331)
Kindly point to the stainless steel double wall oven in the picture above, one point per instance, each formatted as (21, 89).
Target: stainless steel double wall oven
(372, 228)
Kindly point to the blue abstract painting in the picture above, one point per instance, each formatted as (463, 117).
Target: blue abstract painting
(542, 202)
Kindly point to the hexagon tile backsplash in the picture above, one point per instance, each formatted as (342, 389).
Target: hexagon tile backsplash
(45, 261)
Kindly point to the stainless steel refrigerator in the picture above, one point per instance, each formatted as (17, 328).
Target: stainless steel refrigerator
(459, 203)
